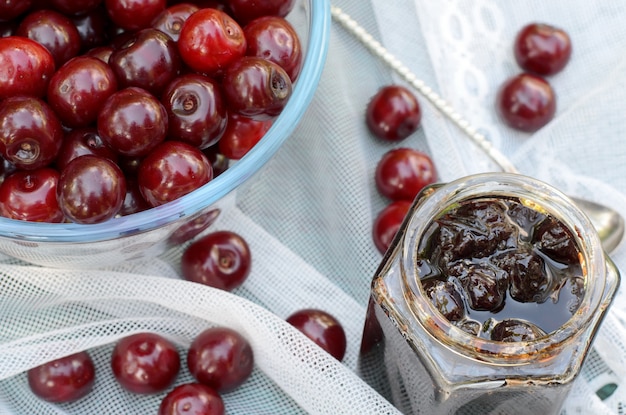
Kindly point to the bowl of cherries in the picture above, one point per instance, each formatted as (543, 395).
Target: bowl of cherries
(124, 124)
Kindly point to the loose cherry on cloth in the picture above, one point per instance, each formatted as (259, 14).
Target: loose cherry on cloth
(321, 327)
(191, 399)
(526, 102)
(63, 380)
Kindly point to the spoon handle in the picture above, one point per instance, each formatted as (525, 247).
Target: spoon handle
(608, 223)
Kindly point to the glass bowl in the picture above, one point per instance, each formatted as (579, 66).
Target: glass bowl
(151, 232)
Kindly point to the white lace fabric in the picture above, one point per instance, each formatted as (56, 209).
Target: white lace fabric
(308, 215)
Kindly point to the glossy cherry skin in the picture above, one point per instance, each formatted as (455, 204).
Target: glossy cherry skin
(256, 88)
(54, 31)
(132, 14)
(196, 110)
(30, 132)
(242, 133)
(91, 189)
(71, 7)
(148, 59)
(172, 170)
(393, 113)
(31, 196)
(171, 20)
(526, 102)
(132, 122)
(275, 39)
(133, 201)
(219, 162)
(81, 141)
(63, 380)
(402, 173)
(387, 223)
(93, 28)
(192, 399)
(25, 67)
(145, 363)
(78, 90)
(219, 259)
(542, 49)
(221, 358)
(210, 40)
(321, 327)
(247, 10)
(101, 52)
(10, 9)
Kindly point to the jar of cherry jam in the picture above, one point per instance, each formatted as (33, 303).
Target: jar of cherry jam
(487, 301)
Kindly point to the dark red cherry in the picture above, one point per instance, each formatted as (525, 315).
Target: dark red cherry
(10, 9)
(219, 259)
(242, 133)
(192, 399)
(210, 40)
(93, 28)
(171, 20)
(133, 201)
(82, 141)
(78, 90)
(148, 59)
(31, 196)
(25, 67)
(402, 173)
(196, 110)
(321, 327)
(134, 14)
(75, 7)
(54, 31)
(145, 363)
(172, 170)
(256, 88)
(526, 102)
(387, 223)
(393, 113)
(275, 39)
(219, 162)
(30, 132)
(221, 358)
(63, 380)
(542, 49)
(132, 122)
(91, 189)
(247, 10)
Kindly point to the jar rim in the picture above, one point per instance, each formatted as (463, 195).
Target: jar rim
(556, 204)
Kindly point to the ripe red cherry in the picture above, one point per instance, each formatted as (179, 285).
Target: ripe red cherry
(393, 113)
(78, 90)
(196, 110)
(82, 141)
(145, 363)
(219, 259)
(31, 196)
(273, 38)
(256, 88)
(191, 399)
(526, 102)
(148, 59)
(54, 31)
(93, 28)
(70, 7)
(387, 223)
(134, 15)
(132, 122)
(30, 132)
(10, 9)
(172, 170)
(210, 40)
(25, 67)
(171, 20)
(542, 49)
(242, 133)
(133, 201)
(63, 380)
(91, 189)
(403, 172)
(247, 10)
(321, 327)
(221, 358)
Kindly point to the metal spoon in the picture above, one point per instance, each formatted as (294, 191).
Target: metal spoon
(608, 223)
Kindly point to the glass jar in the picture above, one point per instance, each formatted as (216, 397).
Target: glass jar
(425, 364)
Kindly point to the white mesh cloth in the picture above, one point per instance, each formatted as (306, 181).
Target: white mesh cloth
(308, 215)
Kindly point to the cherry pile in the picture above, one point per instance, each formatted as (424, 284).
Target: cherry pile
(527, 101)
(110, 107)
(219, 359)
